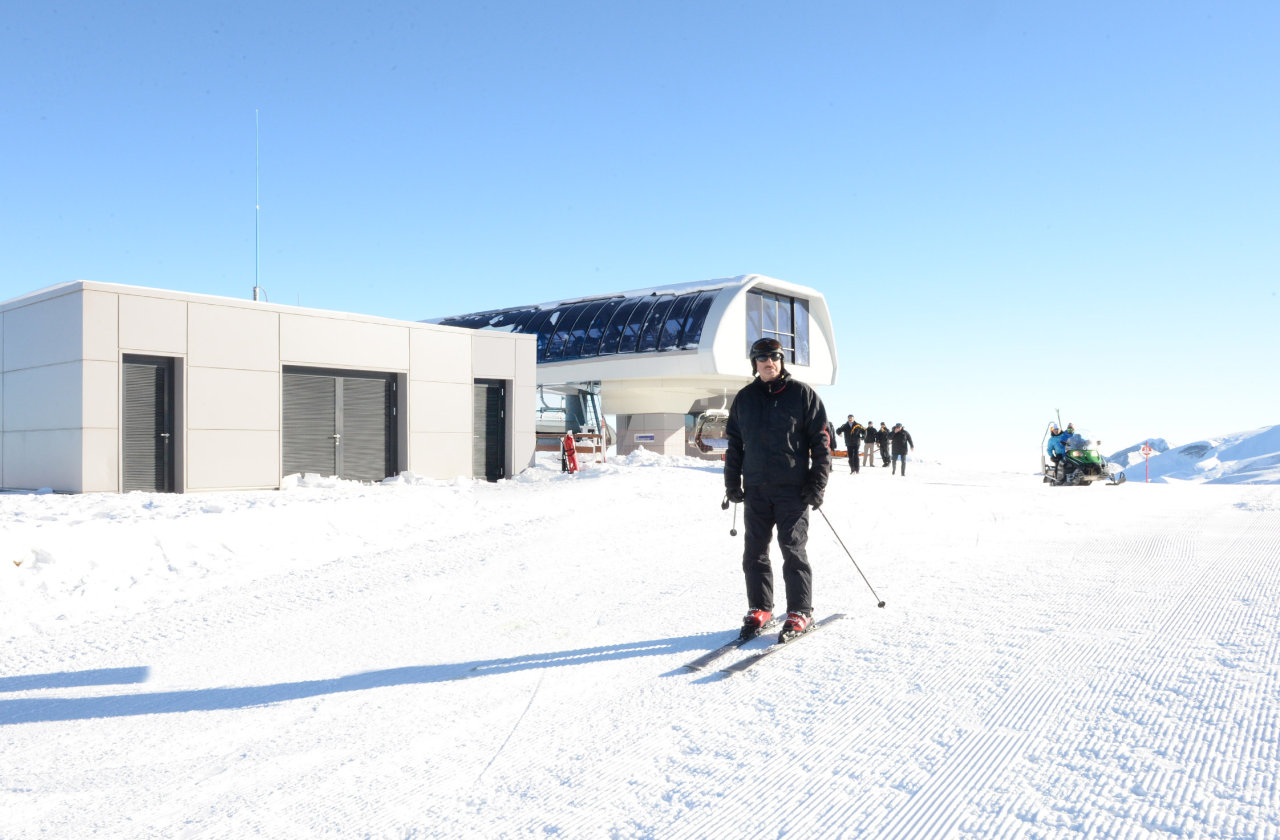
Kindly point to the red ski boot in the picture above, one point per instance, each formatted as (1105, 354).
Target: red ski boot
(753, 622)
(796, 624)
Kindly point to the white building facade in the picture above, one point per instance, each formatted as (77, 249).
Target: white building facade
(110, 388)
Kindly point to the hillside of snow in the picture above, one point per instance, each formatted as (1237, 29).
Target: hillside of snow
(1251, 457)
(1133, 455)
(460, 659)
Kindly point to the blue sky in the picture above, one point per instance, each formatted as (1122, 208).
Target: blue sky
(1011, 207)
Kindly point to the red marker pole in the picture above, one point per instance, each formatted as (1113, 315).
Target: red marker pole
(1146, 460)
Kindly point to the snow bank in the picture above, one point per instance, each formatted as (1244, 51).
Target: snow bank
(1251, 457)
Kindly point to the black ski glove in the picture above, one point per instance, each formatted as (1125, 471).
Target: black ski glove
(735, 495)
(811, 495)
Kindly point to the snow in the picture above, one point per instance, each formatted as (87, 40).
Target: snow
(1251, 457)
(460, 659)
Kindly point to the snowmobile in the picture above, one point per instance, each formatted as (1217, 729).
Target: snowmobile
(1081, 464)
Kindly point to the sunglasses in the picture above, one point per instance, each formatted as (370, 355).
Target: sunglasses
(765, 357)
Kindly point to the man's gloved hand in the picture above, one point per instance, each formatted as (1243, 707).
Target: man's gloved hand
(811, 495)
(735, 495)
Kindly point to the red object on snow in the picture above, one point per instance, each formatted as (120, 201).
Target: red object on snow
(570, 453)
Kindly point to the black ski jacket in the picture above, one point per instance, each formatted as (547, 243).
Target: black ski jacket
(852, 433)
(777, 434)
(901, 439)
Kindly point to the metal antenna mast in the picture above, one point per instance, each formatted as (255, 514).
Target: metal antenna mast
(257, 202)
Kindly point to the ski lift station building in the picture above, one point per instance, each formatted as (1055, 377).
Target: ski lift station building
(111, 388)
(658, 357)
(107, 388)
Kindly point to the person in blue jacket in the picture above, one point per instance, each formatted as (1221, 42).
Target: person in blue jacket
(1057, 447)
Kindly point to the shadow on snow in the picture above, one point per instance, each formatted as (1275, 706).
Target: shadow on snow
(44, 709)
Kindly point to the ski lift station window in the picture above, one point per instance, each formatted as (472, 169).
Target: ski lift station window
(779, 317)
(646, 323)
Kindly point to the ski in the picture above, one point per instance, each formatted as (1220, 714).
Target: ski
(744, 664)
(714, 654)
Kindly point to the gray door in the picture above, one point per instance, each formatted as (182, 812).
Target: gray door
(339, 423)
(489, 429)
(148, 423)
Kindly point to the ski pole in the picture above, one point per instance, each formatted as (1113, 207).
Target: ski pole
(724, 505)
(879, 603)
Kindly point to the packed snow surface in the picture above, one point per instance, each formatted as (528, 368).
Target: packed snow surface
(459, 659)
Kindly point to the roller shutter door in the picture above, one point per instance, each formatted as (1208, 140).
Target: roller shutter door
(339, 423)
(489, 429)
(147, 424)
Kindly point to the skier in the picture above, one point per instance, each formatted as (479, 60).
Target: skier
(901, 439)
(778, 463)
(853, 433)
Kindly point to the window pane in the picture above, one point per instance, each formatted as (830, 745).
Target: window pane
(693, 324)
(613, 333)
(654, 323)
(578, 335)
(591, 346)
(784, 316)
(674, 324)
(755, 318)
(565, 317)
(635, 322)
(545, 324)
(802, 332)
(770, 314)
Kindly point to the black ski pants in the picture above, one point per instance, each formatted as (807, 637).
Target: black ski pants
(777, 506)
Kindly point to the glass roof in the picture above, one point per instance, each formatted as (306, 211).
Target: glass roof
(648, 322)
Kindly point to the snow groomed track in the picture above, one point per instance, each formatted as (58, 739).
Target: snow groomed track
(1101, 663)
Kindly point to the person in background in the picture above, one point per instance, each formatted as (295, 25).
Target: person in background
(777, 462)
(882, 440)
(901, 440)
(869, 445)
(1057, 449)
(853, 433)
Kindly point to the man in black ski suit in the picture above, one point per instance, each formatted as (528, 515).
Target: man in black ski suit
(901, 439)
(778, 462)
(853, 433)
(882, 440)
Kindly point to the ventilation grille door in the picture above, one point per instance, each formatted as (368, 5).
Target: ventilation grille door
(310, 424)
(366, 432)
(147, 437)
(489, 428)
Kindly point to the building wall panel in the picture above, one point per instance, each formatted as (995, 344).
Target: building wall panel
(38, 459)
(237, 337)
(100, 461)
(440, 356)
(218, 398)
(100, 390)
(337, 342)
(47, 332)
(47, 397)
(440, 407)
(440, 455)
(493, 356)
(232, 459)
(154, 326)
(100, 326)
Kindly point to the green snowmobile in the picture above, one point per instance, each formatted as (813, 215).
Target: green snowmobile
(1079, 461)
